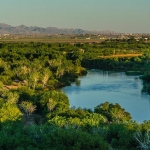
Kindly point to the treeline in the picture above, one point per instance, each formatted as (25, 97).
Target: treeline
(34, 114)
(38, 65)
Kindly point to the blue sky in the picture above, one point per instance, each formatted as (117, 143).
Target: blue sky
(130, 16)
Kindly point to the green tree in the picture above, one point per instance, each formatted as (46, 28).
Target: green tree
(28, 107)
(9, 112)
(51, 104)
(113, 112)
(34, 77)
(45, 76)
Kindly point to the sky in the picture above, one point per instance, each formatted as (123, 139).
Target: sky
(124, 16)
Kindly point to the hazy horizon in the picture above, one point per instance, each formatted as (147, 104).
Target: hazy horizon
(113, 15)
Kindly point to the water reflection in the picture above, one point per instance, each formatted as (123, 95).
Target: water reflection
(100, 86)
(78, 82)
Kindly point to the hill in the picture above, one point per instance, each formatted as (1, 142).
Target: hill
(22, 29)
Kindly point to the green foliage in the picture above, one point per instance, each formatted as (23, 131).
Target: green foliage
(28, 107)
(25, 93)
(34, 71)
(86, 123)
(51, 104)
(14, 136)
(146, 79)
(60, 99)
(10, 112)
(121, 136)
(10, 97)
(113, 112)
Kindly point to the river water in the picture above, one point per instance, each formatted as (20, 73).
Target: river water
(115, 87)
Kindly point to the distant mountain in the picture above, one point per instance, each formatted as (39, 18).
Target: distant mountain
(22, 29)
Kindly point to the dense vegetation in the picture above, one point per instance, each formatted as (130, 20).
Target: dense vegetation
(34, 114)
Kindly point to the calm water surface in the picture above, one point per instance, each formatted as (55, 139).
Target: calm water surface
(115, 87)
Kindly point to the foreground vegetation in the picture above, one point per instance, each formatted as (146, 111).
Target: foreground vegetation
(34, 114)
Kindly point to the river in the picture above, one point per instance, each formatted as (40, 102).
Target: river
(115, 87)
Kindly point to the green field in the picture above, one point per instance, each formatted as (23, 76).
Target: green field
(52, 40)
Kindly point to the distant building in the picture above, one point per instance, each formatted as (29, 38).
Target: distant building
(5, 34)
(102, 38)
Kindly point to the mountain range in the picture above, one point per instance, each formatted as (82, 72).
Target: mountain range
(22, 29)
